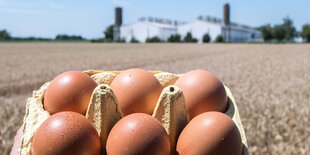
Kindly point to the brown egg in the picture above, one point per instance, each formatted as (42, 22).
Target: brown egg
(203, 92)
(66, 133)
(137, 91)
(210, 133)
(137, 134)
(69, 91)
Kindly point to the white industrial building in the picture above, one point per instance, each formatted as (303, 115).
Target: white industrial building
(142, 30)
(152, 27)
(199, 27)
(215, 27)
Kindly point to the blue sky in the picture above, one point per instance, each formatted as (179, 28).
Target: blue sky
(47, 18)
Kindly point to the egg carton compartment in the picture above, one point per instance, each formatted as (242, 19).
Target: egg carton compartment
(103, 110)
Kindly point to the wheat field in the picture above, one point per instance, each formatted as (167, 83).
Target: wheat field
(271, 83)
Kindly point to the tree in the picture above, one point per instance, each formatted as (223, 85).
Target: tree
(120, 40)
(67, 37)
(108, 33)
(189, 38)
(4, 35)
(289, 28)
(306, 32)
(219, 39)
(206, 38)
(134, 40)
(152, 40)
(174, 38)
(99, 40)
(266, 32)
(279, 32)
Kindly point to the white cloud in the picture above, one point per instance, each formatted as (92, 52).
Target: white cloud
(23, 11)
(26, 4)
(19, 7)
(2, 2)
(122, 3)
(24, 7)
(17, 4)
(31, 11)
(54, 5)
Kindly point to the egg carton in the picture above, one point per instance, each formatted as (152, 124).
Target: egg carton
(103, 110)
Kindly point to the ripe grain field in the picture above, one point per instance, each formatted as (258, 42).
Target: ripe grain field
(269, 82)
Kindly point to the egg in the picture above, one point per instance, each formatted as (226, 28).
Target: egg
(66, 133)
(69, 91)
(210, 133)
(137, 134)
(203, 92)
(137, 91)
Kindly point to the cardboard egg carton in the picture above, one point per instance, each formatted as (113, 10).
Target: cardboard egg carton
(103, 110)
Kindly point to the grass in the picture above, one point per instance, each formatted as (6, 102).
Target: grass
(270, 82)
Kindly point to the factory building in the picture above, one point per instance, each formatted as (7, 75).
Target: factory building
(144, 29)
(153, 27)
(200, 27)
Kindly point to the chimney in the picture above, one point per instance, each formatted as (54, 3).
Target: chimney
(226, 14)
(117, 23)
(118, 17)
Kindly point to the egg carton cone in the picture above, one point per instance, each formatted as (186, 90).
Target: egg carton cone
(103, 110)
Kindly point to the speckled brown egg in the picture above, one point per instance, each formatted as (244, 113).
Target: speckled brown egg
(137, 134)
(203, 92)
(66, 133)
(69, 91)
(210, 133)
(137, 91)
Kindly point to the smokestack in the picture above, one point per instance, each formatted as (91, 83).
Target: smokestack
(118, 17)
(226, 14)
(118, 22)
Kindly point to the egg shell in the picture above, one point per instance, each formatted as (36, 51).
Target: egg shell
(138, 133)
(69, 91)
(203, 92)
(210, 133)
(66, 133)
(103, 105)
(137, 91)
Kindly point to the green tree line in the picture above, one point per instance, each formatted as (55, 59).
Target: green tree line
(284, 32)
(5, 36)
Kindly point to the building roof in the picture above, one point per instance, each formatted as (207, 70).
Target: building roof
(207, 19)
(219, 21)
(154, 24)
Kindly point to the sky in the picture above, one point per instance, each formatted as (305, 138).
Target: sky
(47, 18)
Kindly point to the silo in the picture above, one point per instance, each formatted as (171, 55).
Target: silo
(117, 23)
(118, 16)
(226, 19)
(226, 14)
